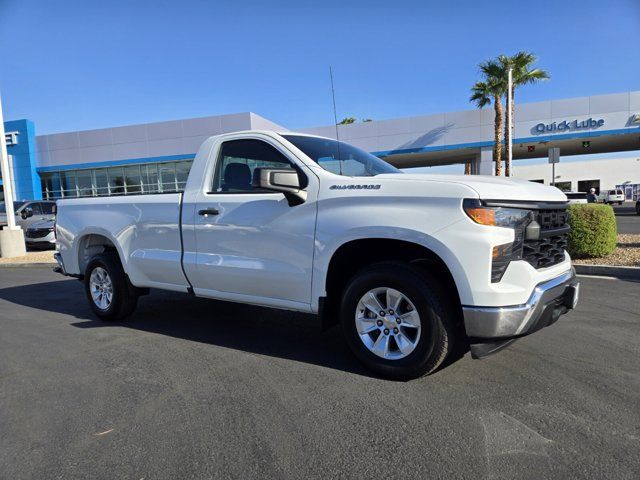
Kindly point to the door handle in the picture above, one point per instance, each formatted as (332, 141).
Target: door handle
(208, 211)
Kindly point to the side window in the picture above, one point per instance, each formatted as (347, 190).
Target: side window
(35, 206)
(48, 208)
(237, 161)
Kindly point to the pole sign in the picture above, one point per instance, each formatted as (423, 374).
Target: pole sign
(11, 138)
(554, 155)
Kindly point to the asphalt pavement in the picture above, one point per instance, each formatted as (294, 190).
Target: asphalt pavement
(191, 388)
(627, 219)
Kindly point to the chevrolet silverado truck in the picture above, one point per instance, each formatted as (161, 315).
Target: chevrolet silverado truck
(411, 265)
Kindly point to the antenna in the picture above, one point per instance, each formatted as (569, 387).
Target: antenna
(335, 118)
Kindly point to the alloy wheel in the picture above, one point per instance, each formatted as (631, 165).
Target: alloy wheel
(101, 288)
(388, 323)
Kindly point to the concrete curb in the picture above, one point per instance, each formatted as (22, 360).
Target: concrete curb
(28, 265)
(609, 270)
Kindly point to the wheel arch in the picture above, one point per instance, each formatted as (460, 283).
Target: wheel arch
(91, 244)
(353, 255)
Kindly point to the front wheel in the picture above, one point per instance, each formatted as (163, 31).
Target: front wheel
(108, 290)
(397, 320)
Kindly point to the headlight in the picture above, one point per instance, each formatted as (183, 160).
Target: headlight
(516, 218)
(496, 216)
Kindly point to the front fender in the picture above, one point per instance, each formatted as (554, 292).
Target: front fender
(326, 248)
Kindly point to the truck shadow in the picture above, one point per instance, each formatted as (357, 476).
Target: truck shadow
(263, 331)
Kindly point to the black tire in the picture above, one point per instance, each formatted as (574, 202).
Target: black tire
(435, 308)
(124, 298)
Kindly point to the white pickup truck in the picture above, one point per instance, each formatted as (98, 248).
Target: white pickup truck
(411, 265)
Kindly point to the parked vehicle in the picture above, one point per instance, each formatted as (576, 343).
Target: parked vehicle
(576, 197)
(41, 235)
(411, 265)
(638, 207)
(611, 196)
(29, 212)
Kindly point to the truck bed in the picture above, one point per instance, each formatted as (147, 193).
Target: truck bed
(145, 229)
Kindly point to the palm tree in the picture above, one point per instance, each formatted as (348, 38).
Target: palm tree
(523, 73)
(483, 94)
(347, 121)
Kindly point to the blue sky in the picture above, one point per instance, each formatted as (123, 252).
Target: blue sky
(80, 65)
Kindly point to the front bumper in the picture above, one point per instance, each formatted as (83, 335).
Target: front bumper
(492, 328)
(42, 242)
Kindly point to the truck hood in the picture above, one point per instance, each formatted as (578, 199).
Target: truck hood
(488, 187)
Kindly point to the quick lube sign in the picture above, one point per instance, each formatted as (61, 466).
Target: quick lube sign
(568, 126)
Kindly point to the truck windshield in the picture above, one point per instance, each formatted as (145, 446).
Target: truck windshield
(341, 158)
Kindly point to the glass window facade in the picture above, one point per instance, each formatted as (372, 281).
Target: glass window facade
(165, 177)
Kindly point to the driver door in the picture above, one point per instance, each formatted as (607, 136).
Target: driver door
(251, 245)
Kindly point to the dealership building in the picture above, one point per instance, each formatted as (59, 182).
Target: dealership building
(156, 157)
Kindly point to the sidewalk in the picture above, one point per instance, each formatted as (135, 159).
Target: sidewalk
(37, 257)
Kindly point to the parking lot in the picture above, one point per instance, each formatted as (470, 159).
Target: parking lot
(203, 389)
(627, 219)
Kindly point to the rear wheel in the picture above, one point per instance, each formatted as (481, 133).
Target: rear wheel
(108, 290)
(397, 320)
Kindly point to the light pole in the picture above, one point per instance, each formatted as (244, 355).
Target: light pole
(11, 236)
(554, 157)
(509, 138)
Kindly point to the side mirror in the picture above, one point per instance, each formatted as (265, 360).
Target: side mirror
(26, 213)
(281, 180)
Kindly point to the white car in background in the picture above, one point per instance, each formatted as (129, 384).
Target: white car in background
(41, 234)
(611, 196)
(28, 212)
(576, 197)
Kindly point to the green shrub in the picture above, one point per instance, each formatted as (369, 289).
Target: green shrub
(593, 230)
